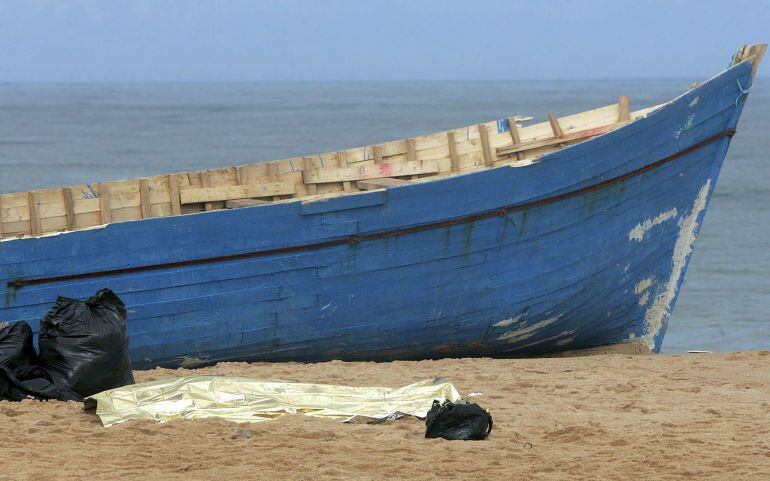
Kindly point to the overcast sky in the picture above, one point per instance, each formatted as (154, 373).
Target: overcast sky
(304, 40)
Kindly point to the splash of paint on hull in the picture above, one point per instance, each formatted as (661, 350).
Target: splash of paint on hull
(660, 309)
(640, 231)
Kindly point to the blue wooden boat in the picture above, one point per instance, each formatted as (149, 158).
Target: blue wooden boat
(491, 240)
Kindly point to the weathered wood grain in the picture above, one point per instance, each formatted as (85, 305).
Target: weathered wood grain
(370, 172)
(105, 205)
(144, 198)
(486, 150)
(238, 203)
(624, 109)
(34, 219)
(233, 192)
(383, 183)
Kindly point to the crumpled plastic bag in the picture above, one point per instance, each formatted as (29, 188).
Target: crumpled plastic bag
(84, 344)
(33, 382)
(16, 348)
(251, 400)
(458, 421)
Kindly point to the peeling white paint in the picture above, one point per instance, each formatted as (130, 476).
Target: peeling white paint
(643, 285)
(644, 299)
(660, 308)
(694, 102)
(686, 126)
(331, 311)
(515, 335)
(638, 232)
(508, 322)
(565, 341)
(563, 334)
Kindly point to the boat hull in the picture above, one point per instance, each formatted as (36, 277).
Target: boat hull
(588, 247)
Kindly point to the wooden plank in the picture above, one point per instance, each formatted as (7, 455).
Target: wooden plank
(205, 184)
(453, 157)
(69, 207)
(536, 144)
(144, 198)
(173, 194)
(377, 154)
(320, 176)
(272, 171)
(557, 132)
(384, 183)
(296, 165)
(238, 203)
(513, 130)
(342, 157)
(758, 51)
(105, 210)
(556, 128)
(487, 152)
(309, 163)
(34, 219)
(411, 152)
(741, 55)
(272, 174)
(754, 53)
(624, 109)
(233, 192)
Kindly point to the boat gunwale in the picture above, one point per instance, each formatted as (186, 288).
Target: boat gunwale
(358, 238)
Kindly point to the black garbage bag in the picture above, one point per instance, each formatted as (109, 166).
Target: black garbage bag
(84, 344)
(8, 390)
(461, 420)
(33, 382)
(16, 347)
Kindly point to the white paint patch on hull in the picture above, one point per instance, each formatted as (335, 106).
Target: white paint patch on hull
(686, 126)
(515, 335)
(660, 308)
(508, 322)
(643, 285)
(561, 335)
(641, 290)
(638, 232)
(644, 299)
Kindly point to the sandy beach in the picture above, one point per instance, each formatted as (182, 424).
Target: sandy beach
(697, 416)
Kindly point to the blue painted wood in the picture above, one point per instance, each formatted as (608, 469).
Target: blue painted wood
(600, 268)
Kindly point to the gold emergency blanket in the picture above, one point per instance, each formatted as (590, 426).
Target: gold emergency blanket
(243, 399)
